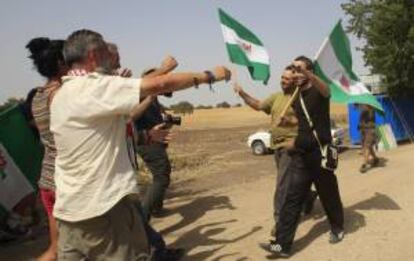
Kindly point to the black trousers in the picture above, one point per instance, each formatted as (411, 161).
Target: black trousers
(303, 171)
(156, 158)
(283, 160)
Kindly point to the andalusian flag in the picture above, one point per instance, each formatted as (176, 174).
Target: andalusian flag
(245, 48)
(20, 159)
(334, 66)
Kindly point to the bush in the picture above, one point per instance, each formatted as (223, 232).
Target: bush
(204, 107)
(223, 105)
(183, 107)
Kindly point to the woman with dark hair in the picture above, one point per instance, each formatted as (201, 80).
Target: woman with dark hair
(48, 60)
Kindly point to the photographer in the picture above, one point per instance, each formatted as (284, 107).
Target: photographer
(307, 159)
(96, 186)
(154, 153)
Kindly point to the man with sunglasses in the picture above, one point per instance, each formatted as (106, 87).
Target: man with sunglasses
(281, 137)
(306, 157)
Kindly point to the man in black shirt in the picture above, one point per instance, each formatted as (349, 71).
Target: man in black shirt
(306, 157)
(155, 157)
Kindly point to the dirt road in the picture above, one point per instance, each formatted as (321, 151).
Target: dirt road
(220, 207)
(224, 211)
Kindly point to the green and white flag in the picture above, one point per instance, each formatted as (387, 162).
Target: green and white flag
(245, 48)
(20, 159)
(386, 136)
(334, 66)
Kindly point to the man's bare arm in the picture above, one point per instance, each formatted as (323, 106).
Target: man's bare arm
(249, 100)
(322, 87)
(179, 81)
(315, 80)
(167, 65)
(140, 108)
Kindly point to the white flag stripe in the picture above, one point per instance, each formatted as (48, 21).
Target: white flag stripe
(256, 54)
(333, 69)
(14, 186)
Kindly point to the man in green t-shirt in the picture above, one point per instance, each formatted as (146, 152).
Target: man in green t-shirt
(282, 138)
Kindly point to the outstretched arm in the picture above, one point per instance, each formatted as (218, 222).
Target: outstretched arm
(141, 107)
(249, 100)
(179, 81)
(167, 65)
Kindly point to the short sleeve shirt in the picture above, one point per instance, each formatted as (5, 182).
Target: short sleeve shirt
(88, 121)
(274, 105)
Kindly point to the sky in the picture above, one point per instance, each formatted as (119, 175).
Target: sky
(148, 30)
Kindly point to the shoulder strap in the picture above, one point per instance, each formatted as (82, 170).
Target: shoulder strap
(305, 111)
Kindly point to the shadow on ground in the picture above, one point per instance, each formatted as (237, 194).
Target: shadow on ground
(354, 219)
(205, 235)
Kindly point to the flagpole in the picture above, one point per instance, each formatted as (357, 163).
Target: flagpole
(325, 42)
(289, 103)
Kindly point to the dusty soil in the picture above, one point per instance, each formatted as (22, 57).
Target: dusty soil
(220, 207)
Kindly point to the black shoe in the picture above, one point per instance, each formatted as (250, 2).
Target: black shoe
(169, 254)
(364, 168)
(275, 249)
(309, 203)
(336, 237)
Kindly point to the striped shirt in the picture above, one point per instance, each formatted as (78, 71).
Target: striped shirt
(41, 114)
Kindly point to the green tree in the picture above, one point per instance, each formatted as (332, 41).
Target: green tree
(183, 107)
(387, 26)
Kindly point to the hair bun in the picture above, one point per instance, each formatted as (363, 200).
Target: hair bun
(37, 45)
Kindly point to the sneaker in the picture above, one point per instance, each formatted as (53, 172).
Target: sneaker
(336, 237)
(169, 254)
(275, 249)
(364, 168)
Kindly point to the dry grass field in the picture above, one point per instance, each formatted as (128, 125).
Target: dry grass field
(239, 117)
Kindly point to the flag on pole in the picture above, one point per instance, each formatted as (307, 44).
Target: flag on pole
(20, 159)
(334, 66)
(244, 48)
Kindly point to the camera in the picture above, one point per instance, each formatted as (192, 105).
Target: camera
(171, 120)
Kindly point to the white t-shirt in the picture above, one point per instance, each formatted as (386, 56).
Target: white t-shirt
(88, 120)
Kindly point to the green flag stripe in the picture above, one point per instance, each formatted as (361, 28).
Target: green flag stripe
(384, 137)
(17, 137)
(339, 96)
(241, 31)
(341, 46)
(258, 71)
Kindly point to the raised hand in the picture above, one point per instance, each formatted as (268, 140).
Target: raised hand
(159, 134)
(168, 64)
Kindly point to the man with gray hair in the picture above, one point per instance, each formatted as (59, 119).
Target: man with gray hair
(95, 183)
